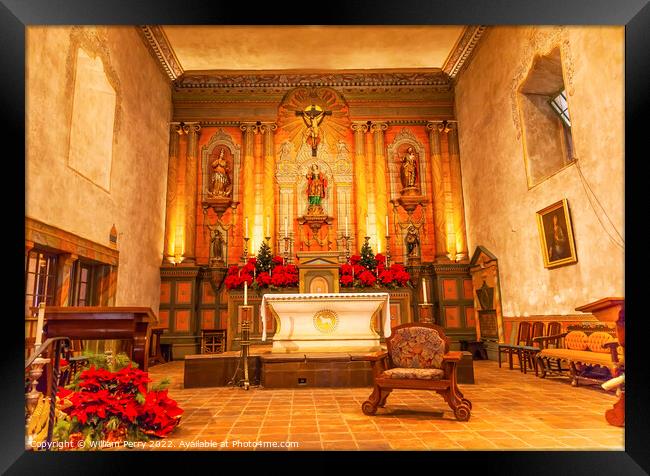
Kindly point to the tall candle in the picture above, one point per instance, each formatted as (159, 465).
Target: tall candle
(424, 290)
(286, 226)
(367, 226)
(245, 293)
(246, 228)
(346, 225)
(268, 226)
(39, 324)
(387, 225)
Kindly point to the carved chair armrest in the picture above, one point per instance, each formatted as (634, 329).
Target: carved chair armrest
(452, 356)
(375, 356)
(613, 349)
(379, 361)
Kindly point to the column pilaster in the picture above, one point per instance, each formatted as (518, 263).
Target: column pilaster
(172, 191)
(439, 222)
(360, 189)
(192, 130)
(381, 200)
(267, 130)
(457, 191)
(249, 130)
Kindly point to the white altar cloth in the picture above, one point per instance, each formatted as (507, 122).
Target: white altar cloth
(331, 322)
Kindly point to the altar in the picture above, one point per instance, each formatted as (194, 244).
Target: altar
(326, 322)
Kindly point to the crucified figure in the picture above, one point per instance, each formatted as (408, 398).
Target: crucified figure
(313, 116)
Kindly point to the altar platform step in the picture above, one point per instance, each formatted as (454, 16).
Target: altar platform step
(292, 370)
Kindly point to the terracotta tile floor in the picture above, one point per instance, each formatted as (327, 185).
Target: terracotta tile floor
(511, 411)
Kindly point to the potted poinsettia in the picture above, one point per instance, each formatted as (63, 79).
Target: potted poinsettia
(112, 405)
(368, 270)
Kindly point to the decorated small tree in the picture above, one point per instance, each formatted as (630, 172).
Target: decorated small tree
(264, 258)
(368, 257)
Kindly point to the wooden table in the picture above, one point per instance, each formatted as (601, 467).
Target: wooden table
(98, 323)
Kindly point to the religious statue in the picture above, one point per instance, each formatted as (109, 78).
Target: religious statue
(216, 243)
(409, 171)
(220, 185)
(316, 187)
(412, 241)
(313, 116)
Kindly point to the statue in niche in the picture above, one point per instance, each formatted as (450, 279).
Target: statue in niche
(412, 242)
(216, 242)
(220, 184)
(409, 172)
(316, 188)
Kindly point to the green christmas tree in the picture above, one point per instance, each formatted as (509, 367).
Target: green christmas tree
(264, 258)
(367, 256)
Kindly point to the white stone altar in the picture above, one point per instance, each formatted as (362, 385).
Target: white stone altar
(340, 322)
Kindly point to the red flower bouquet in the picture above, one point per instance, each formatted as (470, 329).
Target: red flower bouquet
(114, 405)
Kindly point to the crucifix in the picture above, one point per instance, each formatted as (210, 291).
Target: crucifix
(312, 116)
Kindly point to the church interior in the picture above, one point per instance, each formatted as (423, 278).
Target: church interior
(324, 238)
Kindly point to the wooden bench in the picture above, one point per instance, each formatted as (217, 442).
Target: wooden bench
(583, 353)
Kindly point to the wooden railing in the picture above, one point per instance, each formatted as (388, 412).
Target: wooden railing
(45, 359)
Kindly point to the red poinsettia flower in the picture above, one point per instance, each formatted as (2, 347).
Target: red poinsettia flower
(234, 269)
(354, 259)
(386, 277)
(402, 277)
(346, 269)
(246, 277)
(347, 280)
(278, 260)
(291, 269)
(233, 281)
(263, 279)
(367, 278)
(395, 267)
(358, 269)
(381, 259)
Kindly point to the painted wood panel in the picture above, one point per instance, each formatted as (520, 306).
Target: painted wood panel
(165, 292)
(452, 316)
(183, 292)
(449, 289)
(468, 289)
(207, 319)
(182, 321)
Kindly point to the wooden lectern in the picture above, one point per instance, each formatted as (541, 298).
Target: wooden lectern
(98, 323)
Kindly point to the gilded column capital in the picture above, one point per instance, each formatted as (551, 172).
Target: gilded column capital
(191, 128)
(359, 127)
(378, 126)
(249, 127)
(440, 126)
(268, 127)
(177, 128)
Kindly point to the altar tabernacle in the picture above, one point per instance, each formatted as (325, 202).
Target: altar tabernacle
(326, 322)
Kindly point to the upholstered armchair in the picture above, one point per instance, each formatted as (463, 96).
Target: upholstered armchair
(417, 358)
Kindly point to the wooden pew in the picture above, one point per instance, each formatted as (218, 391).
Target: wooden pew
(96, 323)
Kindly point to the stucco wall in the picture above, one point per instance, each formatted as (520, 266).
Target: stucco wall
(500, 208)
(58, 194)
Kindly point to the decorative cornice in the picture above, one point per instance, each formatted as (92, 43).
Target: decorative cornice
(63, 241)
(156, 41)
(463, 49)
(283, 79)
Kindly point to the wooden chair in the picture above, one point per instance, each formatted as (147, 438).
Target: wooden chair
(418, 358)
(530, 350)
(553, 340)
(523, 338)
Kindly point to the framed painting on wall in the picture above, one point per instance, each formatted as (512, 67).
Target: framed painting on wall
(556, 235)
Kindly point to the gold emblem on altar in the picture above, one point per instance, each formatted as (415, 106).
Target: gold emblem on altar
(326, 321)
